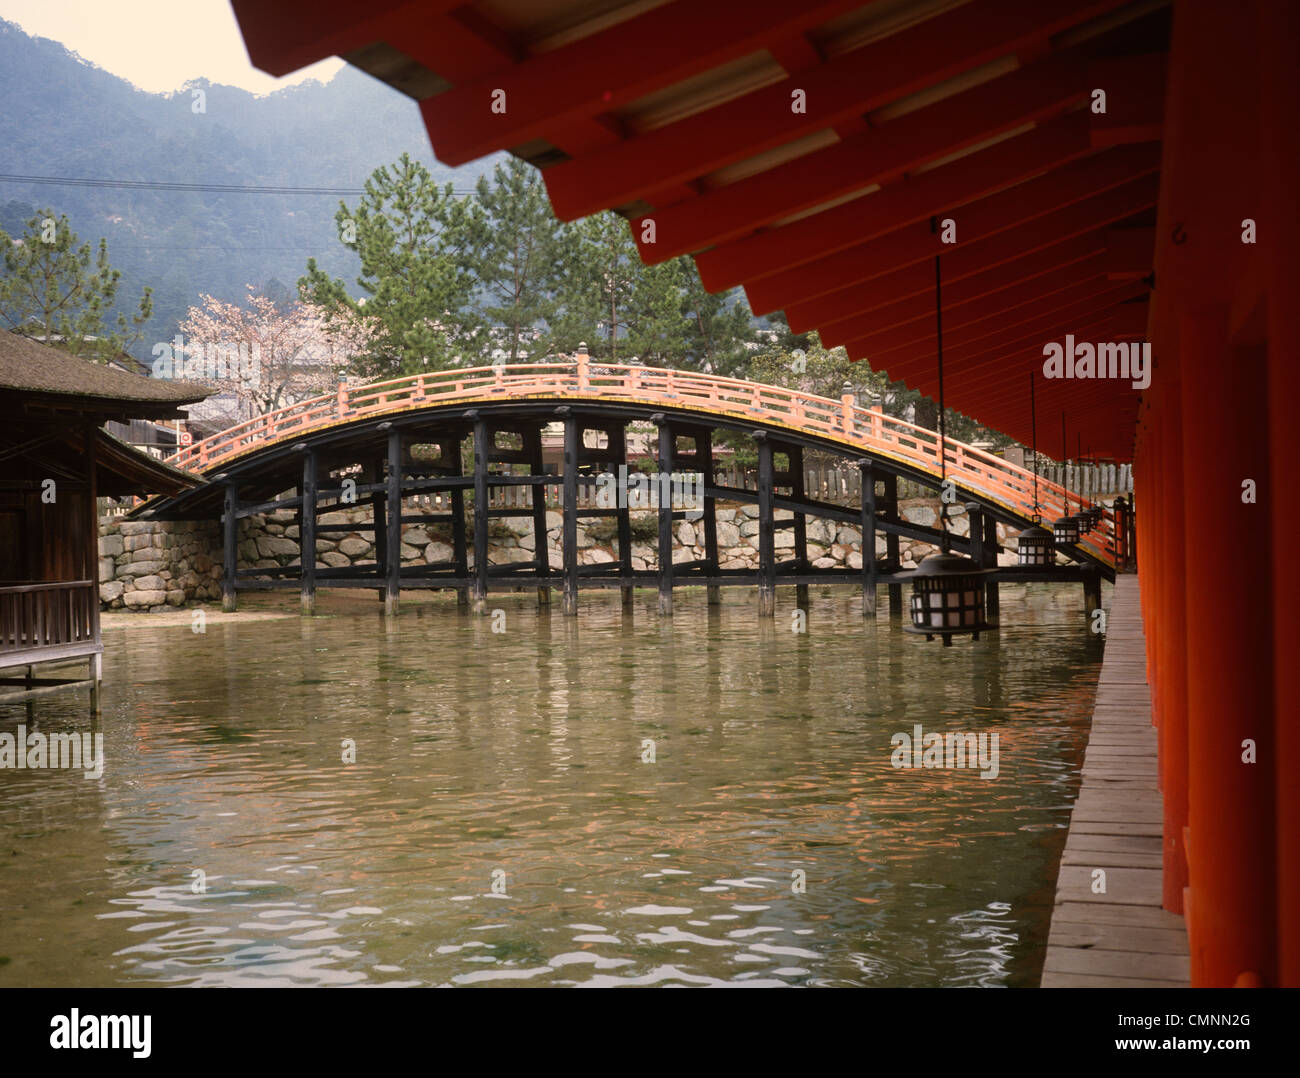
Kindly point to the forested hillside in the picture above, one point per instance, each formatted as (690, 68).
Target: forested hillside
(61, 116)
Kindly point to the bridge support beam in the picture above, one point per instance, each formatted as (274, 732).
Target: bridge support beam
(1091, 594)
(482, 448)
(569, 544)
(541, 556)
(230, 549)
(704, 458)
(307, 533)
(795, 480)
(379, 518)
(618, 460)
(393, 530)
(869, 568)
(667, 452)
(891, 545)
(766, 529)
(459, 543)
(992, 602)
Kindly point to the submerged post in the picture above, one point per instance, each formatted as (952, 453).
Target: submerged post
(537, 492)
(869, 570)
(891, 544)
(766, 530)
(704, 455)
(393, 531)
(795, 477)
(478, 587)
(1091, 593)
(459, 546)
(230, 525)
(624, 516)
(307, 533)
(569, 524)
(665, 492)
(991, 607)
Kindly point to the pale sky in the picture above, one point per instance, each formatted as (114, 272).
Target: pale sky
(156, 44)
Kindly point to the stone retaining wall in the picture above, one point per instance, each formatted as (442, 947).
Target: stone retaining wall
(150, 565)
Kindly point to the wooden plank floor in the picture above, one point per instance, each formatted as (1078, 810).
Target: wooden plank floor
(1122, 938)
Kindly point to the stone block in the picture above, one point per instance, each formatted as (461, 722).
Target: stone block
(137, 599)
(438, 552)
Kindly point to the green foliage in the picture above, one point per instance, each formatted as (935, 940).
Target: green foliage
(58, 292)
(514, 254)
(413, 238)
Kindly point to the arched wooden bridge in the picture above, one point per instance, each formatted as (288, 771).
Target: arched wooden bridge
(369, 430)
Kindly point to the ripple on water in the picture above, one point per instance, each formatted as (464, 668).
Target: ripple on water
(500, 827)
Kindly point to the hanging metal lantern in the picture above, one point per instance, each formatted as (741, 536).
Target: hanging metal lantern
(948, 597)
(1066, 530)
(1036, 546)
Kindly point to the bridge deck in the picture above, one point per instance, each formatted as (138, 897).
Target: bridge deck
(1123, 938)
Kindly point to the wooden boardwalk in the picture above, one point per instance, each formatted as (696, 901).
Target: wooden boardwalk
(1121, 938)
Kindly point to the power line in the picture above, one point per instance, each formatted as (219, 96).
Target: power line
(200, 188)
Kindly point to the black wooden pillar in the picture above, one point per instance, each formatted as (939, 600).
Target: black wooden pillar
(537, 491)
(230, 555)
(704, 455)
(379, 518)
(1091, 593)
(569, 511)
(975, 520)
(478, 589)
(393, 526)
(991, 601)
(794, 458)
(667, 447)
(307, 532)
(766, 530)
(460, 551)
(869, 571)
(891, 545)
(618, 458)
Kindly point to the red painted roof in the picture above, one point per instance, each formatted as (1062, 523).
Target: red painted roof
(803, 151)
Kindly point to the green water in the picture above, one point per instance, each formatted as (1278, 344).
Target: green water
(516, 760)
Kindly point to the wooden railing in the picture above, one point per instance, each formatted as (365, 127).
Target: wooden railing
(866, 431)
(41, 617)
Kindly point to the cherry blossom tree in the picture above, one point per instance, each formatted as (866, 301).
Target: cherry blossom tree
(267, 355)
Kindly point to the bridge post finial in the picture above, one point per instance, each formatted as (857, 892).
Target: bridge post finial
(583, 361)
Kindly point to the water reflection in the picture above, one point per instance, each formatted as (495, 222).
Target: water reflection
(521, 753)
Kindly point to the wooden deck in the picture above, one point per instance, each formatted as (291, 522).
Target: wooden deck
(1122, 938)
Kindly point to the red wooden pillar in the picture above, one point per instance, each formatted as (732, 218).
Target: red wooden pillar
(1279, 177)
(1171, 657)
(1230, 750)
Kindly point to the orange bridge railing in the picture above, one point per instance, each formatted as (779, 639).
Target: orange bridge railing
(866, 431)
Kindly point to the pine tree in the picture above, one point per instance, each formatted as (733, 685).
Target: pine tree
(414, 240)
(60, 293)
(514, 252)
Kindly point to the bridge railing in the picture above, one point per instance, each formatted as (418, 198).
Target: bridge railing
(841, 420)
